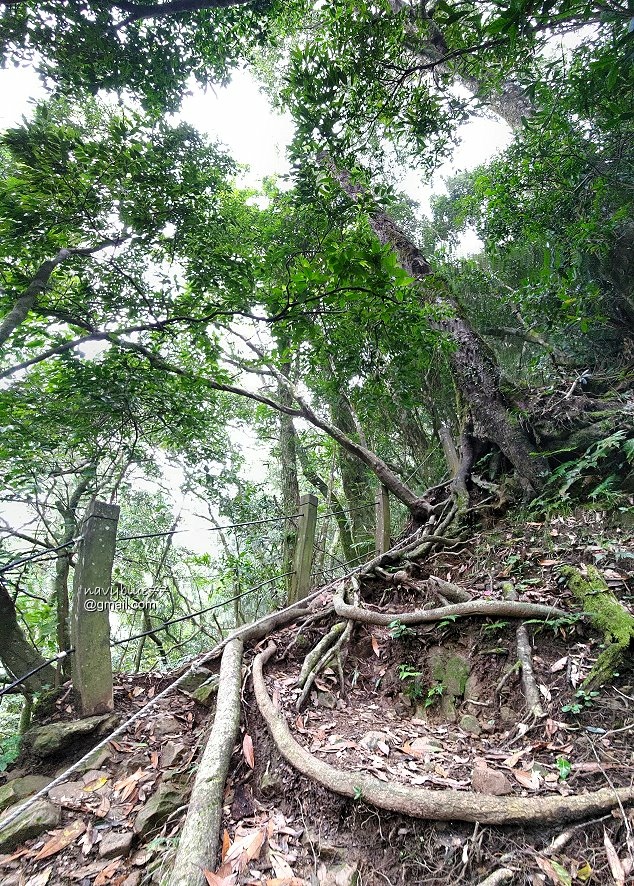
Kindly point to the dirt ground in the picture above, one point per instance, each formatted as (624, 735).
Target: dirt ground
(405, 716)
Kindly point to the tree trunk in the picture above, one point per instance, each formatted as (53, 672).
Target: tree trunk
(508, 99)
(288, 479)
(473, 365)
(16, 653)
(355, 481)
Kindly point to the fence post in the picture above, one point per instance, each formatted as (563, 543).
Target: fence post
(90, 622)
(382, 536)
(303, 559)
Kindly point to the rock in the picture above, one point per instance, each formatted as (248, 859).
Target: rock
(192, 681)
(170, 753)
(166, 726)
(115, 844)
(470, 724)
(507, 714)
(39, 817)
(14, 773)
(20, 788)
(489, 781)
(47, 740)
(207, 691)
(450, 669)
(163, 801)
(70, 795)
(326, 700)
(96, 759)
(132, 879)
(270, 781)
(94, 775)
(340, 875)
(372, 739)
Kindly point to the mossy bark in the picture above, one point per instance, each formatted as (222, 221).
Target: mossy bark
(608, 615)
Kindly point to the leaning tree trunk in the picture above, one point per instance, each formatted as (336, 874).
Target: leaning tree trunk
(16, 653)
(473, 365)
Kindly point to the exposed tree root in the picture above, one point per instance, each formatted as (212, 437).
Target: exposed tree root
(450, 591)
(503, 875)
(448, 805)
(317, 652)
(331, 655)
(525, 658)
(199, 838)
(608, 615)
(498, 608)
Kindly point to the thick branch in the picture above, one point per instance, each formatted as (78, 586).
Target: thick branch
(27, 301)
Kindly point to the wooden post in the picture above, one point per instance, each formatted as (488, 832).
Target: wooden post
(382, 536)
(90, 622)
(303, 560)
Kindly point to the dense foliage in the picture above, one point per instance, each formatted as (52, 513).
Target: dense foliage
(159, 324)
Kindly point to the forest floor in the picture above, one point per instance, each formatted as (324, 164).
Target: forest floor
(437, 705)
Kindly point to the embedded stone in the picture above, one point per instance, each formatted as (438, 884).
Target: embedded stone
(39, 817)
(490, 781)
(70, 795)
(194, 680)
(166, 726)
(206, 692)
(372, 739)
(162, 803)
(470, 724)
(115, 844)
(20, 788)
(54, 737)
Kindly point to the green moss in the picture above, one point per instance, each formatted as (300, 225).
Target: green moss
(608, 615)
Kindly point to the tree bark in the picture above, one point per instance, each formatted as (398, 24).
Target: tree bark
(16, 653)
(473, 365)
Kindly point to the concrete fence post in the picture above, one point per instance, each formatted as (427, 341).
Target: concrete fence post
(382, 536)
(90, 622)
(303, 560)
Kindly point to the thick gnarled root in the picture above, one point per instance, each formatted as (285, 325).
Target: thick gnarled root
(448, 805)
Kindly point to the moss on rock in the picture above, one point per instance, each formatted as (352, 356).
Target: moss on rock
(608, 615)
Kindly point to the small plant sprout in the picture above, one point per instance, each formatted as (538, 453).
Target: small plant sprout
(583, 701)
(433, 694)
(564, 767)
(399, 631)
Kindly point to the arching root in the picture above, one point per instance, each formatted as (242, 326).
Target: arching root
(498, 608)
(447, 805)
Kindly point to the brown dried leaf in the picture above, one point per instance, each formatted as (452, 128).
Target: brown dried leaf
(376, 647)
(554, 871)
(108, 873)
(226, 844)
(61, 839)
(216, 880)
(616, 868)
(527, 778)
(247, 750)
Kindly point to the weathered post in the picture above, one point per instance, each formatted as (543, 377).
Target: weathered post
(382, 536)
(90, 622)
(303, 560)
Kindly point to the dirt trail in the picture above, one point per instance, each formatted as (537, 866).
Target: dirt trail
(439, 706)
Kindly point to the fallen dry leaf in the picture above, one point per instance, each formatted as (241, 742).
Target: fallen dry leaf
(61, 839)
(554, 871)
(247, 750)
(107, 873)
(226, 845)
(215, 880)
(40, 879)
(616, 868)
(376, 647)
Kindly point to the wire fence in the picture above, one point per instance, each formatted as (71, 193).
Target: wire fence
(321, 571)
